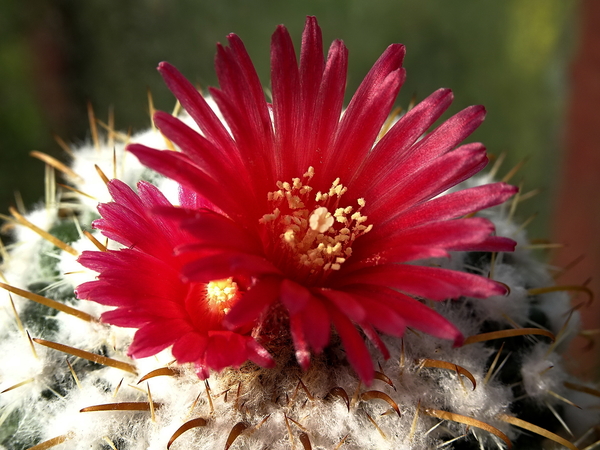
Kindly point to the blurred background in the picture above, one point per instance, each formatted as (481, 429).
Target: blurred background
(534, 64)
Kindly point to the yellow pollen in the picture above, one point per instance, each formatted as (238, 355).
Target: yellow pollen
(221, 293)
(320, 220)
(317, 233)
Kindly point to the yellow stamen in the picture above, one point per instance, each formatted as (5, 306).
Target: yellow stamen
(316, 231)
(320, 220)
(220, 293)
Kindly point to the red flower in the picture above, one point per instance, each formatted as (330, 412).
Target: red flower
(143, 280)
(311, 209)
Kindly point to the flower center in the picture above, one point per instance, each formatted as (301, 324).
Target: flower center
(312, 230)
(221, 294)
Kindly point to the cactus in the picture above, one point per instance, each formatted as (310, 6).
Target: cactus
(68, 382)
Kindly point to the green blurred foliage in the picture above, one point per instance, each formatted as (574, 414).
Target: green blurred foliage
(22, 124)
(511, 56)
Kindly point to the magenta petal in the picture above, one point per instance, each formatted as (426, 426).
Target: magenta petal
(132, 230)
(346, 303)
(226, 264)
(127, 317)
(293, 296)
(242, 103)
(155, 337)
(454, 205)
(369, 107)
(424, 159)
(403, 253)
(190, 347)
(151, 196)
(312, 65)
(447, 234)
(286, 101)
(193, 102)
(329, 105)
(433, 179)
(394, 146)
(102, 293)
(125, 196)
(83, 290)
(414, 313)
(316, 324)
(375, 339)
(129, 274)
(407, 253)
(211, 228)
(258, 354)
(194, 200)
(444, 138)
(253, 303)
(211, 158)
(491, 244)
(442, 235)
(252, 89)
(385, 319)
(174, 165)
(140, 314)
(97, 261)
(225, 349)
(356, 350)
(300, 342)
(249, 140)
(429, 282)
(202, 371)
